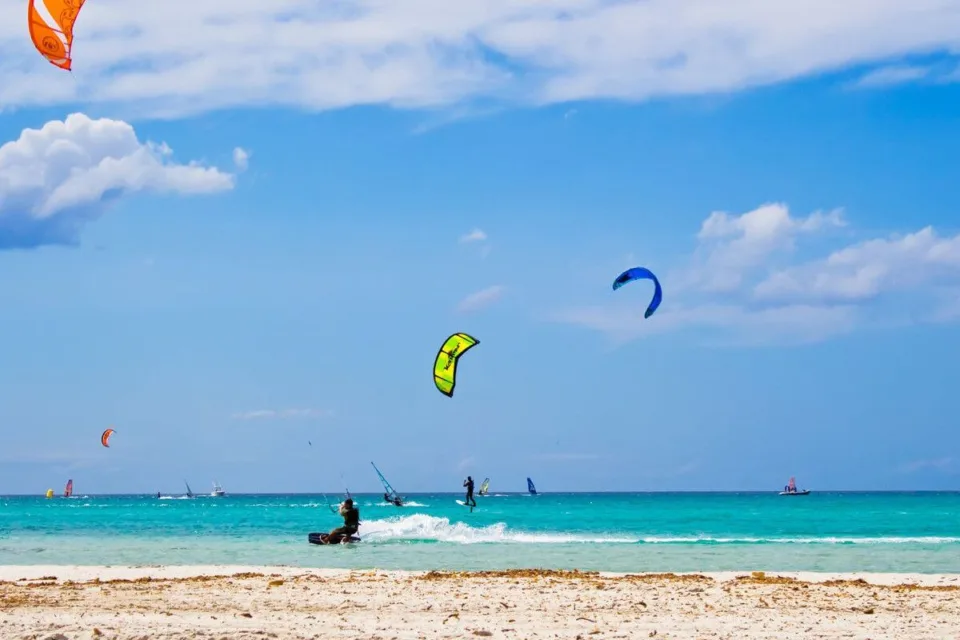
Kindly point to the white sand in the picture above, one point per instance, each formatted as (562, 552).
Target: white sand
(285, 602)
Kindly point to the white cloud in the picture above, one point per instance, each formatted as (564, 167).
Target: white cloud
(55, 179)
(740, 282)
(477, 235)
(733, 245)
(181, 56)
(480, 299)
(282, 414)
(241, 158)
(868, 269)
(894, 74)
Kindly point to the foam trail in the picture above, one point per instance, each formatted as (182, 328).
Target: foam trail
(424, 528)
(420, 527)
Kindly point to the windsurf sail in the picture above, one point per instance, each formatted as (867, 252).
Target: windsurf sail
(189, 492)
(389, 491)
(484, 487)
(68, 490)
(531, 487)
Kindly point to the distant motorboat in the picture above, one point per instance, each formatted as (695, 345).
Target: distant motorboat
(218, 491)
(791, 490)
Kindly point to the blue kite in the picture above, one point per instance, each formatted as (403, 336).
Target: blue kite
(638, 273)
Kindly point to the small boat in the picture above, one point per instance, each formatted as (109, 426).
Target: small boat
(68, 490)
(531, 488)
(791, 490)
(389, 494)
(218, 491)
(324, 538)
(484, 486)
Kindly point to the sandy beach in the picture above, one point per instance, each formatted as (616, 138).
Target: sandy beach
(38, 602)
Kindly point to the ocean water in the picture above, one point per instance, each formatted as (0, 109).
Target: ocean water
(888, 532)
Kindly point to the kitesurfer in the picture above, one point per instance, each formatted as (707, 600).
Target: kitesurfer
(351, 521)
(468, 483)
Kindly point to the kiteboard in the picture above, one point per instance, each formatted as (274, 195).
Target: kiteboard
(324, 538)
(464, 504)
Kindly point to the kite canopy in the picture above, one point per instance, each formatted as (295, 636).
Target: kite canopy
(50, 23)
(638, 273)
(105, 437)
(445, 366)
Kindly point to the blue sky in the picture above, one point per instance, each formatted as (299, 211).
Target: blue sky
(225, 263)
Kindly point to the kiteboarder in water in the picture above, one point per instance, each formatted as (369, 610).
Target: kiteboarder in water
(468, 483)
(351, 522)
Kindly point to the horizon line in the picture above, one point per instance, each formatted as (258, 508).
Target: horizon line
(457, 493)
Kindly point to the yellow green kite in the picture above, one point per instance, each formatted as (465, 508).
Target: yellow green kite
(445, 366)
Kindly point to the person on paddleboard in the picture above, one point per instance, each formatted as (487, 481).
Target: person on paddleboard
(468, 483)
(351, 521)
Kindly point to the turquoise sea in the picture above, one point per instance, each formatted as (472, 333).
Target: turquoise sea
(887, 532)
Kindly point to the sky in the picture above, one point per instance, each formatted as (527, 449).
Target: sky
(239, 232)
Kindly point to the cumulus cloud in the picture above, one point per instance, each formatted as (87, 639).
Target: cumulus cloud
(733, 245)
(480, 299)
(55, 179)
(744, 281)
(180, 57)
(868, 269)
(241, 158)
(282, 414)
(477, 235)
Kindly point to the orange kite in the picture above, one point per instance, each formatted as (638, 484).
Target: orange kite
(51, 28)
(105, 437)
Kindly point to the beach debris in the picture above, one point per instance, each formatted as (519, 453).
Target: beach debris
(482, 632)
(274, 583)
(246, 615)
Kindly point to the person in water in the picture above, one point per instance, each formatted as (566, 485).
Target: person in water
(395, 501)
(468, 483)
(351, 520)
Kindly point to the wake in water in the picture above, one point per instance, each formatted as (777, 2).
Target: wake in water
(424, 528)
